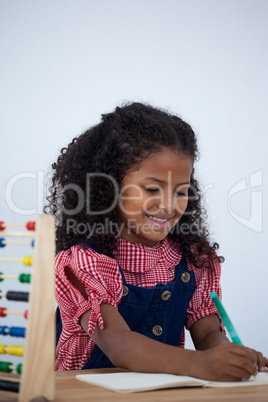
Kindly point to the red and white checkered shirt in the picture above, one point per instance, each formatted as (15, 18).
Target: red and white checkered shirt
(142, 266)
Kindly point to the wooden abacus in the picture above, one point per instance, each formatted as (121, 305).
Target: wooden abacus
(37, 378)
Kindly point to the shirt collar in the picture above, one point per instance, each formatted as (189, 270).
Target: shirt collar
(137, 258)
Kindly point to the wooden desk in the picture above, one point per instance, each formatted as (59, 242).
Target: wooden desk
(71, 390)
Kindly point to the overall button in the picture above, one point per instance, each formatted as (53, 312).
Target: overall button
(125, 291)
(185, 277)
(157, 330)
(165, 295)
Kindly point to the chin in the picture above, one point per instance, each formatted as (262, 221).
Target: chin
(150, 241)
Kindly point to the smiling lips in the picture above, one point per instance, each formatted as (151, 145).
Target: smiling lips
(159, 220)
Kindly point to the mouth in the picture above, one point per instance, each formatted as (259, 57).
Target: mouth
(159, 220)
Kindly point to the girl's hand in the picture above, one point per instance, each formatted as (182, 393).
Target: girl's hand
(133, 351)
(229, 362)
(220, 360)
(262, 362)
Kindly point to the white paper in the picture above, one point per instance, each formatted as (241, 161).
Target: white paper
(127, 382)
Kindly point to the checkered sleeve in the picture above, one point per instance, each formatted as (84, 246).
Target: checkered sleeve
(101, 278)
(201, 304)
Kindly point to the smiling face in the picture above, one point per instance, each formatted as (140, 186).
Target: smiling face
(154, 197)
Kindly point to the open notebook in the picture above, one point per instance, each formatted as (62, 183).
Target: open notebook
(128, 382)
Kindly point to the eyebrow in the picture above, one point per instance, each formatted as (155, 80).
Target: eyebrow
(162, 181)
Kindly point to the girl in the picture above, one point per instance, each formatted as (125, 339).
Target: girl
(134, 263)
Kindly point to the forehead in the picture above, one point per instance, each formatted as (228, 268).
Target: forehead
(163, 164)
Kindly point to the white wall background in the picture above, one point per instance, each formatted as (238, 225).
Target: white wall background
(64, 62)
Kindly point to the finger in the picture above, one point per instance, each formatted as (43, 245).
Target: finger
(263, 364)
(252, 354)
(243, 365)
(236, 373)
(261, 361)
(245, 353)
(249, 354)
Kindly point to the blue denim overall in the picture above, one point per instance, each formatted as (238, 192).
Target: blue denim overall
(158, 312)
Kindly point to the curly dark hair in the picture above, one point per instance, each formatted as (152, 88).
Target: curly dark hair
(122, 140)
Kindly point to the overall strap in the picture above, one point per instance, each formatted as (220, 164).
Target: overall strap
(123, 276)
(182, 265)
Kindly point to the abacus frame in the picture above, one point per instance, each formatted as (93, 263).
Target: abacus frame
(38, 376)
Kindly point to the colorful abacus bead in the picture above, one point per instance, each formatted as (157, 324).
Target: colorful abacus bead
(27, 260)
(3, 311)
(7, 367)
(12, 386)
(24, 278)
(4, 242)
(15, 295)
(12, 331)
(19, 368)
(28, 225)
(12, 350)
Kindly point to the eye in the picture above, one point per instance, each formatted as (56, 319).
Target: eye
(181, 193)
(151, 189)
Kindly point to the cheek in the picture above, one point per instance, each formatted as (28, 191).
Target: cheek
(149, 202)
(130, 207)
(181, 205)
(130, 200)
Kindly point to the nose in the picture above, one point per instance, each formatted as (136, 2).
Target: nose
(166, 202)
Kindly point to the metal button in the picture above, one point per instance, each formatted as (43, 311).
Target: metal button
(165, 295)
(157, 330)
(185, 277)
(125, 290)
